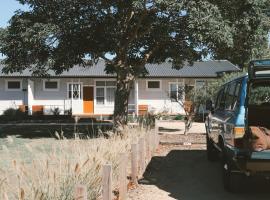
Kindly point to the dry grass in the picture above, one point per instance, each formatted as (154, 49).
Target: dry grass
(52, 169)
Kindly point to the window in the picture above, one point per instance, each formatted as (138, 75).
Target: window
(237, 96)
(13, 85)
(220, 100)
(51, 85)
(110, 94)
(74, 91)
(153, 85)
(105, 92)
(100, 96)
(259, 93)
(230, 96)
(176, 91)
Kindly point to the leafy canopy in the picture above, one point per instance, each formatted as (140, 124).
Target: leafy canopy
(58, 34)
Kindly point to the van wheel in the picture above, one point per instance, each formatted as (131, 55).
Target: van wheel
(232, 181)
(212, 152)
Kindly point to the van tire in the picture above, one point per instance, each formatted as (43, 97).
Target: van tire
(212, 152)
(232, 181)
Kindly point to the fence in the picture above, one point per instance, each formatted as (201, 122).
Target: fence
(141, 154)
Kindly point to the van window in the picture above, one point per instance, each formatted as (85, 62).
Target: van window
(237, 96)
(260, 93)
(220, 100)
(230, 95)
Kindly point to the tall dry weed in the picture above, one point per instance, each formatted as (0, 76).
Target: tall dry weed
(53, 168)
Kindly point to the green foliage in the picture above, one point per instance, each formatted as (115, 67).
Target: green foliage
(214, 86)
(147, 121)
(56, 35)
(209, 91)
(249, 26)
(259, 95)
(13, 113)
(179, 117)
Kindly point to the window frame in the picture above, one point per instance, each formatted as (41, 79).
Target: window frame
(50, 89)
(81, 90)
(13, 89)
(237, 97)
(105, 91)
(181, 83)
(154, 89)
(227, 95)
(220, 95)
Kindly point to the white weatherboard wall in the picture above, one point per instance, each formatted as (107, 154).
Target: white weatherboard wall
(59, 99)
(53, 99)
(158, 100)
(34, 94)
(12, 99)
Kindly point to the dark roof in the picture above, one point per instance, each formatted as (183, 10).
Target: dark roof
(206, 69)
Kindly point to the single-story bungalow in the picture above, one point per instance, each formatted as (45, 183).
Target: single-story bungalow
(90, 91)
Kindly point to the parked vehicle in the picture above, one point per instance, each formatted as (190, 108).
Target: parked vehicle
(238, 126)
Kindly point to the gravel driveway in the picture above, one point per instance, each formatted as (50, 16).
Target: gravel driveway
(182, 172)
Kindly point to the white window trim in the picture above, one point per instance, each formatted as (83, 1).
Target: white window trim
(13, 80)
(51, 80)
(153, 89)
(176, 83)
(81, 90)
(105, 93)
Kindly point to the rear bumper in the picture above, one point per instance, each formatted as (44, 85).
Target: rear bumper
(258, 166)
(249, 162)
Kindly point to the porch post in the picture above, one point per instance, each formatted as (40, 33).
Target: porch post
(136, 97)
(30, 95)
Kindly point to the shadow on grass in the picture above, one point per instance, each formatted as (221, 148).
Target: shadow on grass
(187, 175)
(48, 131)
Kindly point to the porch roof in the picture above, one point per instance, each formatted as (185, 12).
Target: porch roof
(203, 69)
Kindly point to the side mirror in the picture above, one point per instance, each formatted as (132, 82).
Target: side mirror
(209, 105)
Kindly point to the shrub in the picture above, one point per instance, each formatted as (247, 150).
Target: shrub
(13, 114)
(55, 111)
(179, 117)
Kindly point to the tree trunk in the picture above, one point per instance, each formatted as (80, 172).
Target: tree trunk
(124, 82)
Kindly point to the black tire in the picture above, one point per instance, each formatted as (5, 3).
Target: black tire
(212, 152)
(232, 180)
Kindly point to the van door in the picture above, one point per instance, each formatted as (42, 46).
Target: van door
(216, 117)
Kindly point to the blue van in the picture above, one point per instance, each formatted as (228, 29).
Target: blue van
(241, 103)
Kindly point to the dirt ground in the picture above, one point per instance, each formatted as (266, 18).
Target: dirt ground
(179, 171)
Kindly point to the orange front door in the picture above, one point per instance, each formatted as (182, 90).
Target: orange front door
(88, 99)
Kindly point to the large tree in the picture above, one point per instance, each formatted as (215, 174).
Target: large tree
(127, 34)
(249, 25)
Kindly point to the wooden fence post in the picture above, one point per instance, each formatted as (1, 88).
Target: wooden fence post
(156, 126)
(148, 145)
(157, 140)
(80, 192)
(142, 155)
(134, 163)
(107, 182)
(123, 177)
